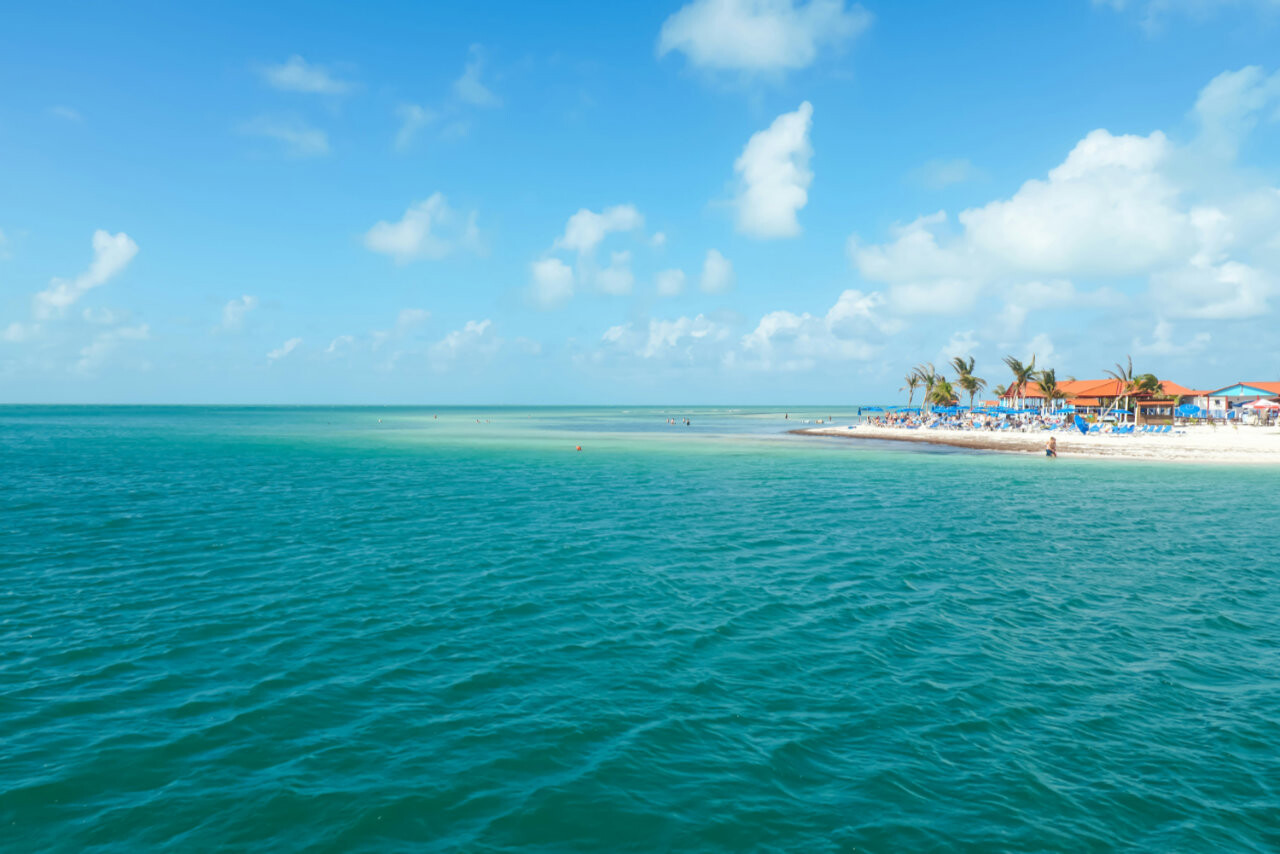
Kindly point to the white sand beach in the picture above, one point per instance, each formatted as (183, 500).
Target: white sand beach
(1204, 444)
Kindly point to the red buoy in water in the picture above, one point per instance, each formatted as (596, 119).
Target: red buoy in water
(579, 448)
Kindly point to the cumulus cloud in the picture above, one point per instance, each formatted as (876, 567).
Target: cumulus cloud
(552, 282)
(111, 254)
(760, 35)
(670, 282)
(469, 87)
(284, 349)
(786, 341)
(235, 311)
(1183, 217)
(297, 75)
(717, 273)
(665, 339)
(586, 229)
(429, 229)
(774, 176)
(297, 137)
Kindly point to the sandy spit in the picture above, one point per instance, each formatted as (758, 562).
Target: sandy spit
(1257, 445)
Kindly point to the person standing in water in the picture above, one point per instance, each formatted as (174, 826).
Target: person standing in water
(1051, 449)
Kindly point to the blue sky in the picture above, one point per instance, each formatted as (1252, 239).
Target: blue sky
(716, 201)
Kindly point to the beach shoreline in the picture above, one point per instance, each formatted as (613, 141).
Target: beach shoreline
(1193, 444)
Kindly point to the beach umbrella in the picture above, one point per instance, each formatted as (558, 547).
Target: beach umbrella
(1268, 405)
(1190, 410)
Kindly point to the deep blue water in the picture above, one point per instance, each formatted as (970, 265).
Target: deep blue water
(308, 629)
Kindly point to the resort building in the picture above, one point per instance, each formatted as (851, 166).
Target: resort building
(1095, 397)
(1220, 402)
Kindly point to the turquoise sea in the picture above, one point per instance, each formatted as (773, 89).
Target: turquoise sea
(348, 629)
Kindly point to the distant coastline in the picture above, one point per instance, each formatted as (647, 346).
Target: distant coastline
(1194, 444)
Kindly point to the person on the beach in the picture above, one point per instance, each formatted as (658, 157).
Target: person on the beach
(1051, 449)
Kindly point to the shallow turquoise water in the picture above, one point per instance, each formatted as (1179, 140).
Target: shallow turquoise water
(305, 629)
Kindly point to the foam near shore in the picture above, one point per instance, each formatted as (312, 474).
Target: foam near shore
(1223, 444)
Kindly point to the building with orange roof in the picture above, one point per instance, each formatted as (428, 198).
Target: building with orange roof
(1093, 397)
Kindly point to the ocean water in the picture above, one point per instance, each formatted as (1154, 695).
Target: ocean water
(306, 629)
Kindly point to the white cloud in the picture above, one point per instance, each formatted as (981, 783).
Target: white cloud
(429, 229)
(786, 341)
(1162, 342)
(670, 282)
(297, 75)
(774, 176)
(1198, 229)
(666, 339)
(552, 281)
(586, 229)
(298, 138)
(1226, 291)
(413, 118)
(658, 240)
(104, 343)
(617, 278)
(284, 349)
(111, 254)
(469, 88)
(760, 35)
(474, 340)
(1025, 297)
(235, 311)
(717, 273)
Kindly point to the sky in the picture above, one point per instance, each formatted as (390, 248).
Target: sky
(702, 202)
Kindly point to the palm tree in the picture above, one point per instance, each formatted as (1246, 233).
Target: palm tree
(912, 380)
(1048, 382)
(1123, 375)
(965, 379)
(1147, 385)
(1021, 373)
(942, 393)
(928, 378)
